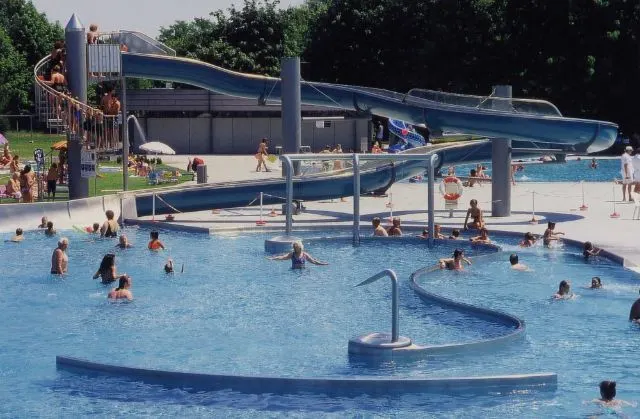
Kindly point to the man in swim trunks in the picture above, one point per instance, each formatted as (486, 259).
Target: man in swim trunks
(626, 170)
(18, 237)
(477, 219)
(59, 259)
(454, 263)
(395, 229)
(378, 230)
(516, 265)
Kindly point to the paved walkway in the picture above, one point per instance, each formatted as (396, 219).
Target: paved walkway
(559, 202)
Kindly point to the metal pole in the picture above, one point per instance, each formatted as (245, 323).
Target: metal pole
(288, 164)
(153, 207)
(261, 196)
(76, 45)
(395, 315)
(430, 199)
(291, 107)
(356, 199)
(125, 135)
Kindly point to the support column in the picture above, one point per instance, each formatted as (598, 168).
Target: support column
(76, 44)
(501, 162)
(356, 199)
(125, 136)
(291, 108)
(431, 198)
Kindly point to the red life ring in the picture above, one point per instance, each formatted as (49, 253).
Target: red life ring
(451, 188)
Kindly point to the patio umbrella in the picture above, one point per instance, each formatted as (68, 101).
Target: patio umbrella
(156, 147)
(60, 145)
(3, 140)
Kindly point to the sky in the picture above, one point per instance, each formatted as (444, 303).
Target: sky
(146, 16)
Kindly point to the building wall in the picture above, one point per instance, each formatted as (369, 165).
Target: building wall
(219, 135)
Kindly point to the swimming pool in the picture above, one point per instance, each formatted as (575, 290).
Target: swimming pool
(571, 171)
(232, 311)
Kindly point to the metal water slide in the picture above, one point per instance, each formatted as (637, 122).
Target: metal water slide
(529, 122)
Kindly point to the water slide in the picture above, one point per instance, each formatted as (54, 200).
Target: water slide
(406, 134)
(520, 120)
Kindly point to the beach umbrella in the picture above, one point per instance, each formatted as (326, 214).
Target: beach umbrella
(156, 147)
(60, 145)
(3, 140)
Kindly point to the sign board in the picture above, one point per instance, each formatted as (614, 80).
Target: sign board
(103, 58)
(88, 164)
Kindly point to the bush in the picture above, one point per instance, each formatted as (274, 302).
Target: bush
(5, 125)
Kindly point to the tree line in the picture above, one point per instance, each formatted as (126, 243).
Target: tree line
(582, 55)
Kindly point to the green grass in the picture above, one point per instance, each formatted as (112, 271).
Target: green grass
(24, 144)
(454, 138)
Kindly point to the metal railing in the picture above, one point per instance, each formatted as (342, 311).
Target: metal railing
(524, 106)
(136, 42)
(64, 114)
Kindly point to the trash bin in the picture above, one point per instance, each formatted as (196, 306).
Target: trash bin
(201, 174)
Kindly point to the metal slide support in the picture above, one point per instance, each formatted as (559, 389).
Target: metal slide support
(431, 199)
(288, 164)
(291, 107)
(501, 164)
(395, 299)
(76, 45)
(125, 135)
(356, 199)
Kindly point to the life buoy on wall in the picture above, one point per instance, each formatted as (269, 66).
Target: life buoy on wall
(451, 188)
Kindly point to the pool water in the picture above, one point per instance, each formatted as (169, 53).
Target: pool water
(571, 171)
(233, 311)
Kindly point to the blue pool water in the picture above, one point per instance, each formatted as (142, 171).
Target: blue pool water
(232, 311)
(571, 171)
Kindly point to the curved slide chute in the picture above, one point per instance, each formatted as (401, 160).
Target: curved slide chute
(407, 136)
(582, 135)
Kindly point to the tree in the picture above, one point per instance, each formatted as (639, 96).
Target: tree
(15, 82)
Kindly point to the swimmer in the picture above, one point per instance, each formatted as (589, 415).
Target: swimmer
(454, 263)
(634, 313)
(528, 241)
(476, 216)
(107, 270)
(564, 291)
(596, 283)
(168, 267)
(551, 235)
(437, 233)
(155, 243)
(18, 237)
(395, 230)
(123, 242)
(59, 259)
(515, 264)
(110, 227)
(123, 290)
(608, 395)
(43, 222)
(50, 231)
(589, 250)
(455, 234)
(594, 164)
(378, 230)
(94, 229)
(482, 238)
(298, 257)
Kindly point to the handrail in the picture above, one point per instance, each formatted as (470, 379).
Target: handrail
(113, 36)
(395, 299)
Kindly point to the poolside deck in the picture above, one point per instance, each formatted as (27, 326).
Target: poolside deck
(559, 202)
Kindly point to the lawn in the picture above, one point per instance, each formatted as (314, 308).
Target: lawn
(24, 144)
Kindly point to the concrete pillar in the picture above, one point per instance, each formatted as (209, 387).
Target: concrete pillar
(125, 135)
(76, 44)
(291, 108)
(501, 162)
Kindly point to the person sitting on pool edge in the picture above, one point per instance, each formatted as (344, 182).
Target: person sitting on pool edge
(123, 291)
(50, 231)
(107, 271)
(482, 238)
(454, 263)
(515, 263)
(528, 241)
(298, 257)
(155, 243)
(123, 242)
(477, 219)
(589, 250)
(378, 230)
(564, 291)
(395, 230)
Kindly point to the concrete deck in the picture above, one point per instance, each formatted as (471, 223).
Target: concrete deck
(558, 202)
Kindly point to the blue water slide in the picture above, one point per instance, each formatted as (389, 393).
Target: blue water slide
(407, 135)
(499, 121)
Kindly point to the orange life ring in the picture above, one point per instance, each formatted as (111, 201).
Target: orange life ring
(451, 188)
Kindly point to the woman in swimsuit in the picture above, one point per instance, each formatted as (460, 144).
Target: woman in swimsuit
(455, 263)
(155, 243)
(298, 257)
(261, 155)
(608, 396)
(13, 186)
(110, 227)
(107, 271)
(14, 166)
(123, 290)
(564, 291)
(477, 220)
